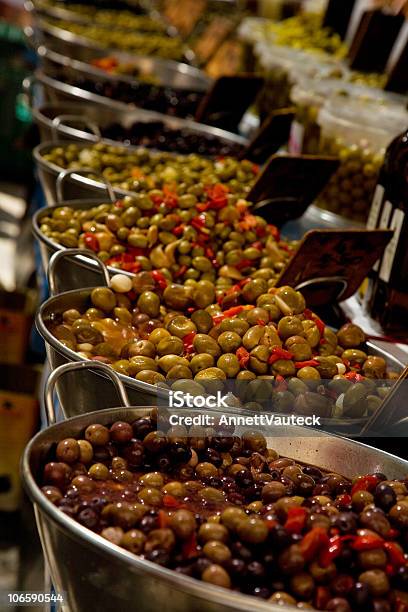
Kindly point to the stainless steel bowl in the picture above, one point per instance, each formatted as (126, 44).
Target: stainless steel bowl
(75, 394)
(57, 121)
(168, 73)
(73, 45)
(96, 574)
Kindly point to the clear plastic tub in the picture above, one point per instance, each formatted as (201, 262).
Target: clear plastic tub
(283, 67)
(310, 95)
(358, 132)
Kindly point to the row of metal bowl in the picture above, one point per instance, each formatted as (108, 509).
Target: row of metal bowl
(92, 572)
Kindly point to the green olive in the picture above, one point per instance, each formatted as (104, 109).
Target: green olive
(103, 298)
(290, 326)
(229, 364)
(87, 334)
(177, 297)
(203, 343)
(149, 303)
(229, 341)
(150, 377)
(253, 337)
(252, 290)
(239, 326)
(180, 326)
(350, 336)
(210, 373)
(141, 362)
(137, 348)
(202, 320)
(169, 361)
(179, 372)
(201, 362)
(354, 356)
(170, 346)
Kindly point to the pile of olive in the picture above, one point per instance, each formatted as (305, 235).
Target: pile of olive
(282, 356)
(142, 93)
(156, 230)
(231, 512)
(155, 134)
(140, 170)
(124, 19)
(350, 190)
(140, 43)
(304, 32)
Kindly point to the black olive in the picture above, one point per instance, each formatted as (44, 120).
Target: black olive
(384, 496)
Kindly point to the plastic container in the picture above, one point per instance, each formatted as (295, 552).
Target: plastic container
(310, 95)
(283, 67)
(358, 132)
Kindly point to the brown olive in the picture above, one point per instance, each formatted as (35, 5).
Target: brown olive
(212, 531)
(374, 367)
(377, 582)
(160, 539)
(350, 336)
(97, 435)
(183, 523)
(134, 541)
(68, 450)
(215, 574)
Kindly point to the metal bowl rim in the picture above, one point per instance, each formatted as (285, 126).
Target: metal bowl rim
(192, 585)
(127, 380)
(197, 127)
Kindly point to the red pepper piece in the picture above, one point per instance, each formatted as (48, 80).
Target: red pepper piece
(163, 519)
(354, 376)
(313, 542)
(364, 483)
(170, 197)
(188, 342)
(281, 353)
(261, 322)
(243, 356)
(209, 252)
(330, 553)
(305, 364)
(190, 548)
(273, 358)
(244, 263)
(367, 542)
(236, 310)
(322, 597)
(198, 222)
(178, 230)
(159, 279)
(91, 242)
(180, 272)
(320, 325)
(296, 520)
(170, 502)
(344, 500)
(395, 554)
(281, 384)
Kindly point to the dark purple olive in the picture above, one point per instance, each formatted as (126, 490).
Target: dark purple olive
(244, 478)
(179, 453)
(314, 472)
(237, 548)
(261, 591)
(88, 518)
(222, 443)
(384, 496)
(345, 522)
(255, 570)
(360, 595)
(134, 453)
(236, 567)
(159, 556)
(141, 427)
(210, 455)
(148, 523)
(279, 537)
(401, 578)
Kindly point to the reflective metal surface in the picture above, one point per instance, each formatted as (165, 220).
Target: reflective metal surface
(166, 72)
(79, 393)
(78, 186)
(96, 574)
(76, 46)
(58, 121)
